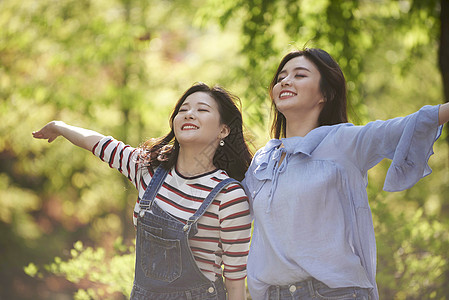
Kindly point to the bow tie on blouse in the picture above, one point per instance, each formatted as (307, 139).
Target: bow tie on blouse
(266, 166)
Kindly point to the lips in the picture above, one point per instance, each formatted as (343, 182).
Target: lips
(189, 126)
(286, 94)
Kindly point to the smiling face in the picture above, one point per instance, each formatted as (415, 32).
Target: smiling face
(297, 90)
(198, 122)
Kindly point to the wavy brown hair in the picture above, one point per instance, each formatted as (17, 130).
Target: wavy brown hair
(234, 157)
(332, 86)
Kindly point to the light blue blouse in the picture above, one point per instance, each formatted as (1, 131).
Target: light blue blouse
(311, 212)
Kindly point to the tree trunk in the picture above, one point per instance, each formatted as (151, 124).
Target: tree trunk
(443, 55)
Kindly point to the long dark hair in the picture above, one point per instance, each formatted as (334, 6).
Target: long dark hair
(234, 157)
(332, 86)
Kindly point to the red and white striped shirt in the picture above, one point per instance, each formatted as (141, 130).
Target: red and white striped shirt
(224, 230)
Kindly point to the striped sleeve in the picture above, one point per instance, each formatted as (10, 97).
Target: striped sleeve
(119, 156)
(235, 231)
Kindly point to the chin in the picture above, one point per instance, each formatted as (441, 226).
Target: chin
(190, 142)
(283, 108)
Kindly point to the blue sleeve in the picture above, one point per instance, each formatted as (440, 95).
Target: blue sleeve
(408, 141)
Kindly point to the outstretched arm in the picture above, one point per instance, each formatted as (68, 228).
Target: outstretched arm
(443, 115)
(80, 137)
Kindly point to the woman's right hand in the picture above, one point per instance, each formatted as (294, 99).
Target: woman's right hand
(49, 132)
(78, 136)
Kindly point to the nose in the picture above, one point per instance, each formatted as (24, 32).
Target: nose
(286, 81)
(189, 114)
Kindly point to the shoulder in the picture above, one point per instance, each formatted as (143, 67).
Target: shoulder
(231, 184)
(342, 127)
(343, 131)
(232, 190)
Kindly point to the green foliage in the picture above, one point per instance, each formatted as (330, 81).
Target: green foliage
(113, 66)
(107, 273)
(271, 28)
(411, 232)
(118, 66)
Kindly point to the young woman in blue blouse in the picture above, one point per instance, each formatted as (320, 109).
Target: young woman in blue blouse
(313, 232)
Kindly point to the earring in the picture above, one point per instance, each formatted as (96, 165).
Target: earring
(221, 143)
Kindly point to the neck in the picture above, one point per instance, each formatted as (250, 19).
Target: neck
(192, 162)
(300, 125)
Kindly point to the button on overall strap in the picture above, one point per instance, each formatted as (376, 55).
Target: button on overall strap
(207, 202)
(153, 187)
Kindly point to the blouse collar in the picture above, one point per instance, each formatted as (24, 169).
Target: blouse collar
(267, 157)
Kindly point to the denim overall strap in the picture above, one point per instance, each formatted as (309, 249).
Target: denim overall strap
(207, 202)
(153, 187)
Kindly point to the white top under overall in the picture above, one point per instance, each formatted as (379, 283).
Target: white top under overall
(311, 212)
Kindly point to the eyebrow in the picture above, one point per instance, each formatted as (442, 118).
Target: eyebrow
(199, 103)
(296, 69)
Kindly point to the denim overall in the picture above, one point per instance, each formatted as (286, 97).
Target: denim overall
(165, 266)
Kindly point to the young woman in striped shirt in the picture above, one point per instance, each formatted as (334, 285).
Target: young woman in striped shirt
(204, 147)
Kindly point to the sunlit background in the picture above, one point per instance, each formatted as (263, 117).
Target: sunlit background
(118, 67)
